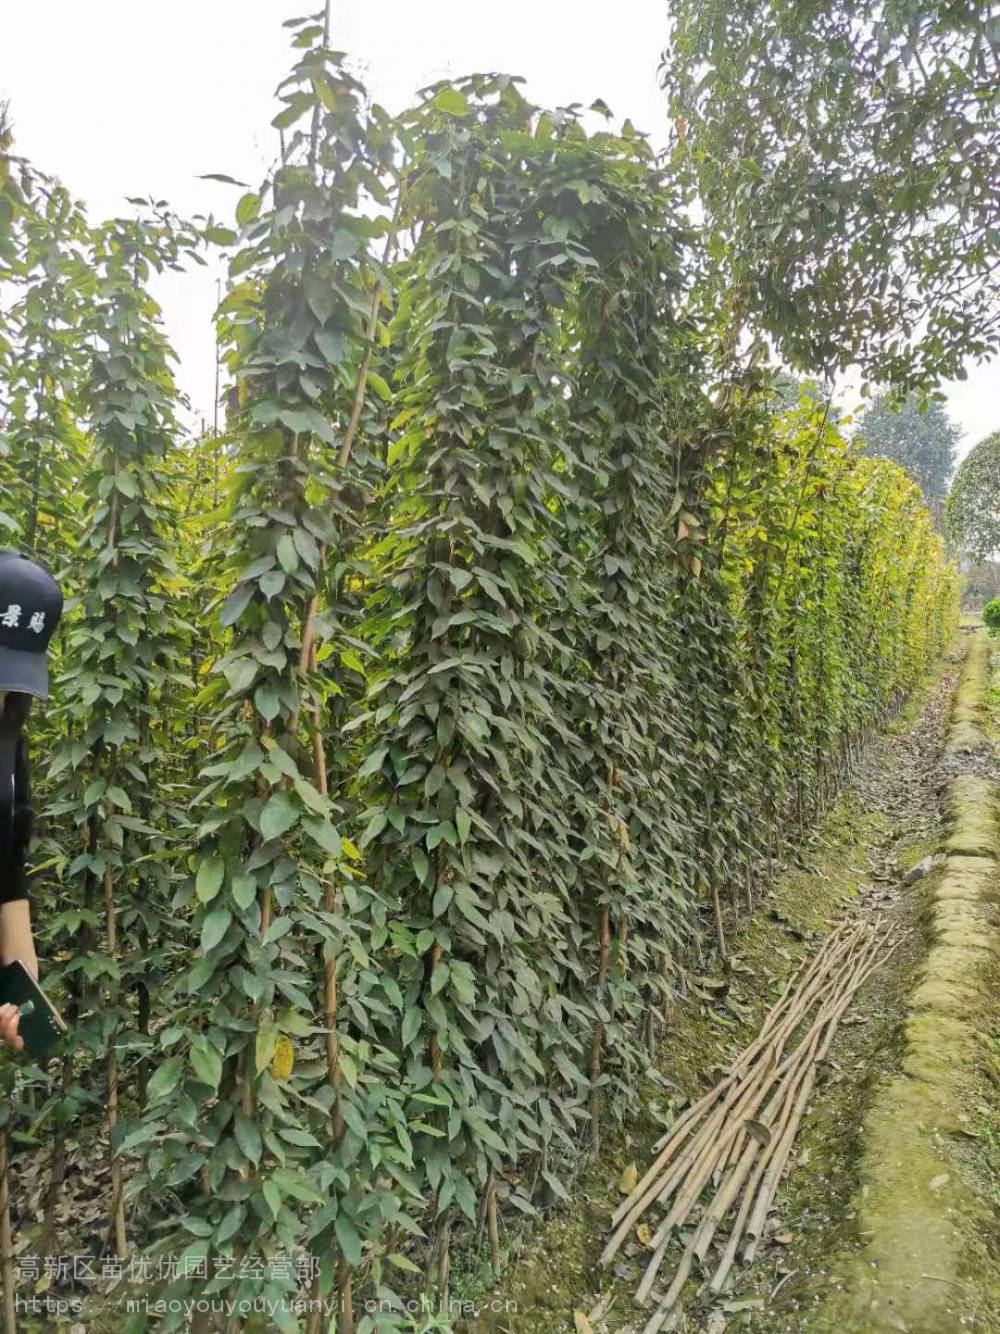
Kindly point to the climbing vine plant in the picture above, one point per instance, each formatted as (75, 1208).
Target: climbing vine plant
(411, 730)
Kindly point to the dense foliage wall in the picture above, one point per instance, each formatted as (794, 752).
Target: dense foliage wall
(407, 736)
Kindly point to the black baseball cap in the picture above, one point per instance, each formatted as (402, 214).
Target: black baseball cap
(30, 606)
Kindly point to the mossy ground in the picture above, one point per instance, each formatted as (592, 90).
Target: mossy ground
(553, 1269)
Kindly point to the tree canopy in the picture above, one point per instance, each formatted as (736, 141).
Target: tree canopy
(923, 442)
(972, 512)
(844, 153)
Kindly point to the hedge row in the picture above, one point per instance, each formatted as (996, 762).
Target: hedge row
(440, 702)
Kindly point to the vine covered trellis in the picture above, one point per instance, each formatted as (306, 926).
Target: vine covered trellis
(394, 771)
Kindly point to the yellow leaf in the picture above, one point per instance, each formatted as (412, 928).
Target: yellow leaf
(582, 1324)
(629, 1179)
(644, 1235)
(283, 1059)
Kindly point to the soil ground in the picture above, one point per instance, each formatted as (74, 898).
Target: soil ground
(891, 816)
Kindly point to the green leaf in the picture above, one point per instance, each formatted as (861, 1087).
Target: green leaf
(244, 889)
(230, 1225)
(272, 583)
(348, 1240)
(311, 796)
(265, 699)
(208, 882)
(220, 235)
(247, 209)
(375, 826)
(288, 557)
(264, 1047)
(451, 101)
(248, 1137)
(463, 823)
(278, 816)
(235, 604)
(401, 1262)
(421, 862)
(240, 673)
(206, 1062)
(214, 927)
(324, 833)
(164, 1079)
(412, 1021)
(332, 345)
(380, 386)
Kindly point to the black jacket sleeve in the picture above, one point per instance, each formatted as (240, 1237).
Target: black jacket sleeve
(15, 816)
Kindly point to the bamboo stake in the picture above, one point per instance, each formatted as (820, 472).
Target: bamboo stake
(636, 1203)
(711, 1140)
(774, 1169)
(772, 1176)
(729, 1255)
(656, 1320)
(597, 1041)
(798, 1069)
(689, 1198)
(493, 1228)
(741, 1061)
(111, 1070)
(345, 1290)
(701, 1170)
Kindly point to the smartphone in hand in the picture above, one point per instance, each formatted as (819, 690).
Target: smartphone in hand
(41, 1025)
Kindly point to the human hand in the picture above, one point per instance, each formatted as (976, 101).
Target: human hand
(10, 1017)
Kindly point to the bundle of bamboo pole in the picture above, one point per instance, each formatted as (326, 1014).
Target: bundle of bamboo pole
(736, 1140)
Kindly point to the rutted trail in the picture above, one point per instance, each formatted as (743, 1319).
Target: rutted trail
(894, 815)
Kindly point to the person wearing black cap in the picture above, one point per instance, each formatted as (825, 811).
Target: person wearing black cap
(30, 608)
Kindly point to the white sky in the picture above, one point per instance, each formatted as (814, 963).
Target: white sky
(121, 97)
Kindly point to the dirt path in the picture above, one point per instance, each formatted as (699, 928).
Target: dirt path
(903, 784)
(890, 819)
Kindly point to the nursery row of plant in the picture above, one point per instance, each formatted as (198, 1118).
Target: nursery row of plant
(409, 731)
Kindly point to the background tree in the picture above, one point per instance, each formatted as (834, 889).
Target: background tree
(972, 512)
(844, 155)
(923, 442)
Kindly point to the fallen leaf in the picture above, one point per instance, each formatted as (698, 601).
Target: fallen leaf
(783, 1238)
(804, 1157)
(582, 1324)
(936, 1183)
(629, 1179)
(645, 1234)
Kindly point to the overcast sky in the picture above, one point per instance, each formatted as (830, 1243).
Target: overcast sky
(123, 98)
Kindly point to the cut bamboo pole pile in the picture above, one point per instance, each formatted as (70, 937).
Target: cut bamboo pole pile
(735, 1141)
